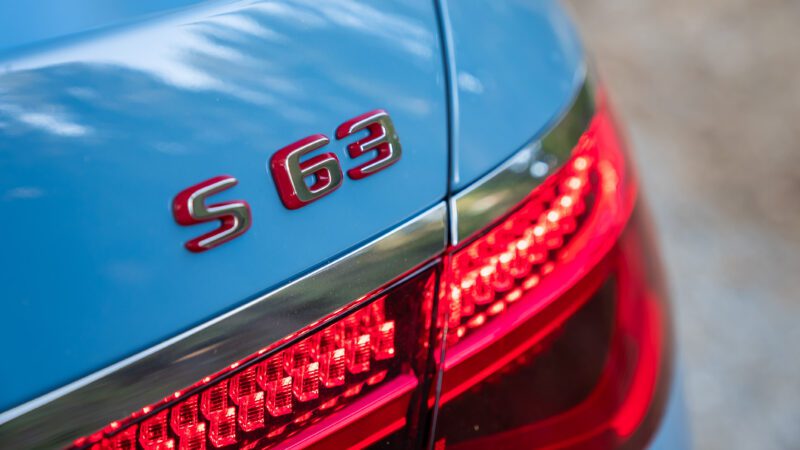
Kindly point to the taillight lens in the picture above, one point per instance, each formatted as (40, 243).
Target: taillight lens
(553, 332)
(498, 269)
(362, 363)
(551, 240)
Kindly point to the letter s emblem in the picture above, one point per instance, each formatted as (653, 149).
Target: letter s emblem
(189, 208)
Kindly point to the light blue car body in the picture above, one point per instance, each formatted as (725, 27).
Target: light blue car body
(109, 108)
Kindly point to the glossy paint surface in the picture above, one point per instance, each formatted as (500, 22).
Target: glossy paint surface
(32, 21)
(516, 66)
(99, 131)
(674, 432)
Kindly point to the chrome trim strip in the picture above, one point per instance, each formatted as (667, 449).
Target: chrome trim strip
(500, 190)
(90, 403)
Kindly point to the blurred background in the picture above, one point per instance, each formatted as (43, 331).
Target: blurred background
(709, 92)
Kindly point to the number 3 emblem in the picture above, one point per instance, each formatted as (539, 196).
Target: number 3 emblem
(381, 137)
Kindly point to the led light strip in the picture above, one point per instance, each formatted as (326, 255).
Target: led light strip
(495, 271)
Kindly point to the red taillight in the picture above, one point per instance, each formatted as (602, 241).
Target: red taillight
(545, 316)
(554, 238)
(501, 267)
(372, 350)
(523, 366)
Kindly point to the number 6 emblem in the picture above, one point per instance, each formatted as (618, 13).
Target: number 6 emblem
(290, 173)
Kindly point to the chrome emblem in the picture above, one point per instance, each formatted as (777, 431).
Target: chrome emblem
(381, 137)
(291, 175)
(189, 208)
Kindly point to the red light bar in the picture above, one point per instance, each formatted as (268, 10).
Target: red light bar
(372, 348)
(494, 272)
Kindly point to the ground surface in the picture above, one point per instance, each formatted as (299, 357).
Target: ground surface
(710, 93)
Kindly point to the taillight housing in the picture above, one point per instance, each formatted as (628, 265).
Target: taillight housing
(553, 326)
(549, 241)
(546, 328)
